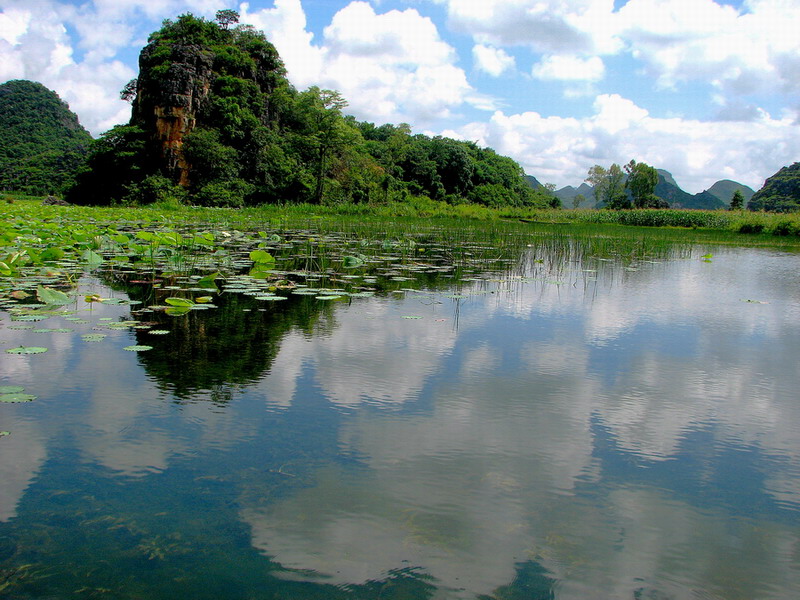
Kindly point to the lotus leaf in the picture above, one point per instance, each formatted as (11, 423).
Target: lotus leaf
(15, 398)
(262, 257)
(180, 302)
(93, 337)
(52, 297)
(26, 350)
(91, 258)
(11, 389)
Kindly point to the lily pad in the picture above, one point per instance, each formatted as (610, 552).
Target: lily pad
(262, 257)
(181, 302)
(94, 337)
(52, 297)
(137, 348)
(26, 350)
(11, 389)
(91, 258)
(16, 398)
(158, 331)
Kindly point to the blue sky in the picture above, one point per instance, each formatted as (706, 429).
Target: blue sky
(705, 89)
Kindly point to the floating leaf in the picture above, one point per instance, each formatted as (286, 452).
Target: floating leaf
(352, 262)
(93, 337)
(15, 398)
(52, 297)
(204, 299)
(181, 302)
(27, 350)
(177, 311)
(158, 331)
(19, 295)
(91, 258)
(209, 281)
(4, 433)
(11, 389)
(137, 348)
(262, 257)
(260, 271)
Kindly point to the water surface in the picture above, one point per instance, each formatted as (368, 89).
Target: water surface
(568, 425)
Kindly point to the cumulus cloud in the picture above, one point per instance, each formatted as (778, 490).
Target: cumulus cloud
(286, 27)
(392, 66)
(569, 68)
(494, 61)
(738, 52)
(563, 26)
(561, 150)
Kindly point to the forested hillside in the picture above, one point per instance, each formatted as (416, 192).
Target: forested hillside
(215, 122)
(41, 141)
(781, 192)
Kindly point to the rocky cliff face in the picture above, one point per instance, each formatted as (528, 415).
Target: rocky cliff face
(169, 99)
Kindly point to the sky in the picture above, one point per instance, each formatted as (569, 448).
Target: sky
(706, 89)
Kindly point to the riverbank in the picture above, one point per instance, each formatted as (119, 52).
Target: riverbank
(752, 226)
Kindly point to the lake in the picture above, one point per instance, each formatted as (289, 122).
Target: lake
(562, 418)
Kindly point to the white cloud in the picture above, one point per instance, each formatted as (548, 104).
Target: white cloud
(739, 53)
(494, 61)
(699, 153)
(564, 26)
(285, 26)
(390, 67)
(566, 67)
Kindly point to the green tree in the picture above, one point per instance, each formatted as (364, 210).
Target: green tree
(226, 18)
(578, 200)
(642, 180)
(737, 201)
(609, 186)
(325, 130)
(128, 93)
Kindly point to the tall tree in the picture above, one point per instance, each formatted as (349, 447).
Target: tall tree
(642, 181)
(226, 18)
(609, 186)
(737, 201)
(326, 130)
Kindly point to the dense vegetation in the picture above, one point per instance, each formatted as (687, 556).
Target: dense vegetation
(215, 122)
(41, 141)
(781, 192)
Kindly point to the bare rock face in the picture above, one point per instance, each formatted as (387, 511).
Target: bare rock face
(169, 98)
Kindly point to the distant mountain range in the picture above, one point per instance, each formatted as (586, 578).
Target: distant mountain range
(717, 196)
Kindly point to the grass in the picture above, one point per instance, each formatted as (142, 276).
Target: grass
(746, 227)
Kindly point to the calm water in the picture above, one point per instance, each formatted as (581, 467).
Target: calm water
(584, 428)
